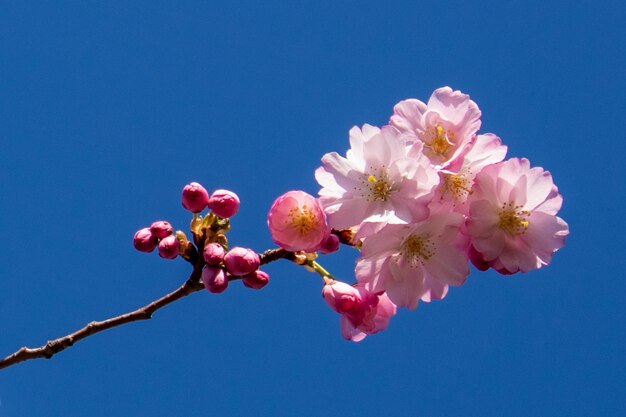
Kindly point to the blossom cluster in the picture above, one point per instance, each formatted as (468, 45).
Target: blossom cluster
(422, 197)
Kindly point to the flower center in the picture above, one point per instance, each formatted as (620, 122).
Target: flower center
(417, 248)
(439, 140)
(513, 220)
(458, 185)
(376, 186)
(302, 219)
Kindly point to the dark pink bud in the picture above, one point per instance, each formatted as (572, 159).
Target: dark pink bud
(143, 240)
(224, 203)
(341, 297)
(213, 254)
(214, 279)
(241, 261)
(256, 280)
(168, 247)
(161, 229)
(195, 197)
(330, 245)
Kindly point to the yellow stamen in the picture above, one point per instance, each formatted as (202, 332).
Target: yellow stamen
(513, 220)
(418, 248)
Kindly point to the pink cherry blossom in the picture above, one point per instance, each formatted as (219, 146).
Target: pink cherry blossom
(377, 182)
(457, 179)
(362, 312)
(513, 223)
(297, 222)
(445, 125)
(415, 261)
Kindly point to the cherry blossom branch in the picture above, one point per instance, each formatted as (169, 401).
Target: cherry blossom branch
(192, 285)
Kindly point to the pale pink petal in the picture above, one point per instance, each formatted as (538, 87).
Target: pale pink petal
(349, 332)
(406, 114)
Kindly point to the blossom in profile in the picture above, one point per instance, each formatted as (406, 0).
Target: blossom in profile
(445, 125)
(377, 182)
(415, 261)
(362, 312)
(297, 222)
(512, 223)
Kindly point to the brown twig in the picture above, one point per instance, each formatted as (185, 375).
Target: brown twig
(192, 285)
(55, 346)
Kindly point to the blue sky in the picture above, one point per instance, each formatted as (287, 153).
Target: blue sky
(108, 108)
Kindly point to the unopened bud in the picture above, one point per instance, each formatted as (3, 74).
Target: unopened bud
(213, 254)
(168, 247)
(214, 279)
(330, 245)
(341, 297)
(224, 203)
(144, 241)
(256, 280)
(195, 197)
(161, 229)
(241, 261)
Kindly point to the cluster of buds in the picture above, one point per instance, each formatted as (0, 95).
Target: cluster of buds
(159, 234)
(238, 262)
(209, 237)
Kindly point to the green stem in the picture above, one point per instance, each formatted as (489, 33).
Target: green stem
(320, 270)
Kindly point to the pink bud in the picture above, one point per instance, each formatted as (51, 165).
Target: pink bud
(330, 245)
(214, 279)
(213, 253)
(168, 247)
(241, 261)
(341, 297)
(224, 203)
(195, 197)
(256, 280)
(161, 229)
(143, 240)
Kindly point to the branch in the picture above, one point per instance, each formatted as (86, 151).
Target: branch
(55, 346)
(192, 285)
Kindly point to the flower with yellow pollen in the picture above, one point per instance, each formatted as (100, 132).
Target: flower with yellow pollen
(445, 125)
(458, 176)
(379, 181)
(297, 222)
(415, 261)
(512, 223)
